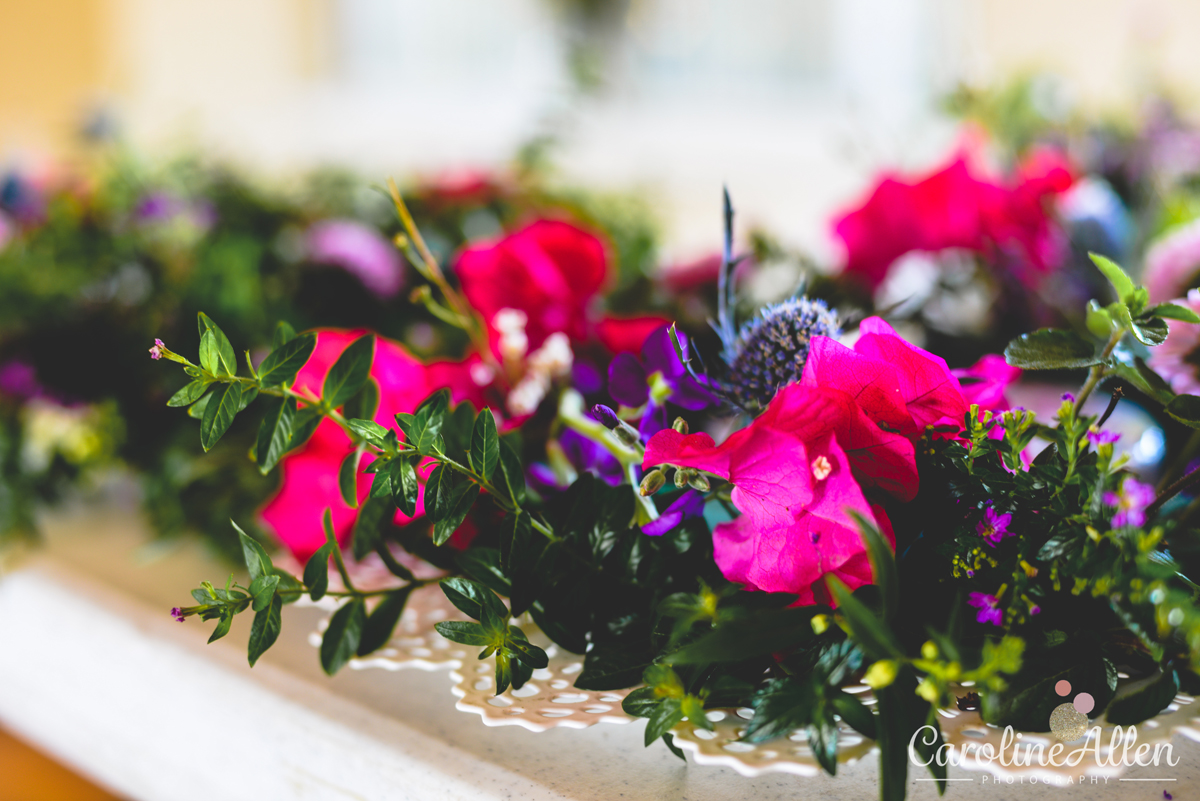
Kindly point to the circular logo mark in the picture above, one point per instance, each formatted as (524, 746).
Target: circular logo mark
(1069, 721)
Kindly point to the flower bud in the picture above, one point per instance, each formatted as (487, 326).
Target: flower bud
(881, 674)
(698, 482)
(682, 474)
(680, 425)
(652, 482)
(627, 434)
(607, 417)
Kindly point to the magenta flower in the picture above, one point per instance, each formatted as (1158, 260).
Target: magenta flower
(359, 250)
(1131, 503)
(1176, 359)
(793, 470)
(156, 351)
(1102, 437)
(984, 382)
(988, 606)
(177, 613)
(18, 379)
(993, 527)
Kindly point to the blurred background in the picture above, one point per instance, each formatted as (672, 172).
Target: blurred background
(793, 103)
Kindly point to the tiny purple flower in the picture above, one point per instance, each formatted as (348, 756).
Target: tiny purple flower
(993, 527)
(1131, 503)
(1035, 610)
(156, 351)
(1067, 396)
(988, 606)
(607, 417)
(1102, 437)
(177, 613)
(688, 505)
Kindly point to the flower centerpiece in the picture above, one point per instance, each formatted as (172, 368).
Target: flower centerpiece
(764, 528)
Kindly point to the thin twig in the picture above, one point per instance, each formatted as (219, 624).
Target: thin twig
(1117, 393)
(1173, 490)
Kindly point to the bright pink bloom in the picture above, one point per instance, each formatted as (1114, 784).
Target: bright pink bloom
(989, 608)
(984, 382)
(310, 475)
(899, 386)
(627, 334)
(793, 476)
(550, 270)
(953, 208)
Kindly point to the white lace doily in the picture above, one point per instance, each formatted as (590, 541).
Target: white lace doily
(551, 700)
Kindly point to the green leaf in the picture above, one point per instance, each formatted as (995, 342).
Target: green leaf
(382, 621)
(883, 564)
(1145, 702)
(665, 717)
(612, 667)
(440, 490)
(1099, 322)
(766, 632)
(1051, 349)
(364, 403)
(225, 359)
(1173, 311)
(823, 739)
(282, 364)
(222, 407)
(304, 423)
(1121, 282)
(470, 597)
(1151, 332)
(461, 503)
(514, 539)
(348, 478)
(274, 432)
(856, 714)
(369, 431)
(422, 430)
(669, 742)
(262, 590)
(461, 631)
(1185, 409)
(349, 372)
(780, 707)
(290, 589)
(189, 394)
(341, 639)
(210, 360)
(316, 572)
(196, 410)
(1134, 369)
(249, 393)
(1027, 705)
(222, 627)
(284, 333)
(368, 527)
(526, 651)
(404, 486)
(641, 703)
(264, 631)
(485, 444)
(867, 630)
(258, 563)
(514, 473)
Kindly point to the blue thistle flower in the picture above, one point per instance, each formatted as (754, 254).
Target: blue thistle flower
(770, 349)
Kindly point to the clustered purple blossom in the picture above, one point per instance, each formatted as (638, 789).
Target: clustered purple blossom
(988, 606)
(993, 527)
(177, 613)
(156, 351)
(1131, 503)
(1101, 437)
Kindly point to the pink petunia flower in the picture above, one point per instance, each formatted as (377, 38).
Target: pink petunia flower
(310, 475)
(793, 471)
(993, 527)
(1178, 359)
(988, 606)
(954, 208)
(1130, 503)
(1172, 263)
(549, 271)
(359, 250)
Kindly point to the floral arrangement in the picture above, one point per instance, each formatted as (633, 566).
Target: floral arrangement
(757, 518)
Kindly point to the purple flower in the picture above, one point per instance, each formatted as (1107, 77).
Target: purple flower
(585, 456)
(988, 606)
(360, 251)
(993, 527)
(19, 380)
(160, 208)
(177, 613)
(1101, 437)
(1131, 503)
(606, 416)
(688, 505)
(1067, 396)
(156, 351)
(655, 378)
(1035, 610)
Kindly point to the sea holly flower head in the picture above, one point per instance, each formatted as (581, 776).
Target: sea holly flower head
(771, 349)
(988, 606)
(993, 527)
(1130, 503)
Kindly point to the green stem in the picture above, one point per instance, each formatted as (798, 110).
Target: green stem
(341, 569)
(1098, 371)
